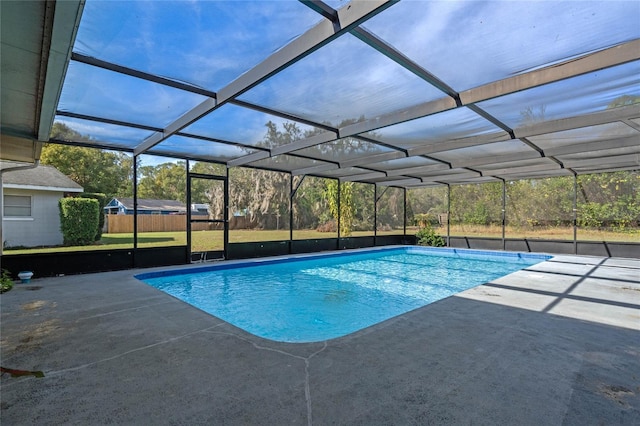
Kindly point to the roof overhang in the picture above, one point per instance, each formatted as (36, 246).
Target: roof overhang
(36, 43)
(41, 188)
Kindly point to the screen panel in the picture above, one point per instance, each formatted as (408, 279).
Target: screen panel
(490, 32)
(331, 85)
(207, 44)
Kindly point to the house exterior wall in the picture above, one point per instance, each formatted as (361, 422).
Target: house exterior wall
(42, 228)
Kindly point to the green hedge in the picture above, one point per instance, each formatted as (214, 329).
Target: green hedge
(79, 218)
(102, 200)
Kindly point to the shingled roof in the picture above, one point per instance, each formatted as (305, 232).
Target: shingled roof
(40, 177)
(148, 204)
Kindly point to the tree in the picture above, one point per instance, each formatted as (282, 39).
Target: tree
(479, 204)
(206, 191)
(166, 181)
(609, 200)
(346, 208)
(264, 194)
(431, 200)
(390, 208)
(310, 206)
(96, 170)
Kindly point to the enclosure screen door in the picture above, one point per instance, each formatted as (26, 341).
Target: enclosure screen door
(208, 231)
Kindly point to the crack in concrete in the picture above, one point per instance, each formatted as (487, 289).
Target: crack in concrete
(135, 308)
(307, 385)
(111, 358)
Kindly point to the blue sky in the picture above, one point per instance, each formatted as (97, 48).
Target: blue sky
(206, 43)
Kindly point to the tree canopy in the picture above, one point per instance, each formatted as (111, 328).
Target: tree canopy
(96, 170)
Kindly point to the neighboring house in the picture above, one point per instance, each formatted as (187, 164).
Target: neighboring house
(30, 213)
(125, 206)
(145, 206)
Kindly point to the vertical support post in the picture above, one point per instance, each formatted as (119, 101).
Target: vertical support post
(135, 203)
(575, 213)
(404, 221)
(291, 212)
(188, 213)
(225, 217)
(339, 214)
(448, 215)
(504, 213)
(375, 213)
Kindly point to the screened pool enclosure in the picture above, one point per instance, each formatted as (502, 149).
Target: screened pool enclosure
(390, 101)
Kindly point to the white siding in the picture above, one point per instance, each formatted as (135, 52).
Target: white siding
(42, 228)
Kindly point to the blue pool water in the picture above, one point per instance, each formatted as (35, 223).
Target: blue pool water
(321, 297)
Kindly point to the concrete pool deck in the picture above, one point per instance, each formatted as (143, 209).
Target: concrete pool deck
(556, 343)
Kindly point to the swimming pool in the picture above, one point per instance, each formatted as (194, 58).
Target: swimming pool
(324, 296)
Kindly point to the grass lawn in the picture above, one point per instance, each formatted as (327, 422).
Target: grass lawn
(200, 240)
(212, 240)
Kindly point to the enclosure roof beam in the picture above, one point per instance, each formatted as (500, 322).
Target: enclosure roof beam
(305, 143)
(448, 145)
(314, 169)
(438, 179)
(399, 182)
(593, 119)
(281, 114)
(606, 169)
(279, 150)
(322, 8)
(526, 169)
(313, 39)
(632, 124)
(417, 170)
(241, 161)
(364, 176)
(631, 159)
(107, 121)
(480, 161)
(595, 146)
(373, 158)
(222, 141)
(590, 62)
(398, 57)
(595, 61)
(89, 60)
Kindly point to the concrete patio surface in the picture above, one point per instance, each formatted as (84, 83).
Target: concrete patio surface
(555, 344)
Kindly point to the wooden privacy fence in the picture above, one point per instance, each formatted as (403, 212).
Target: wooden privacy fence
(122, 224)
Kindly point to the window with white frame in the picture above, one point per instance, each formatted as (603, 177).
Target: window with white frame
(17, 206)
